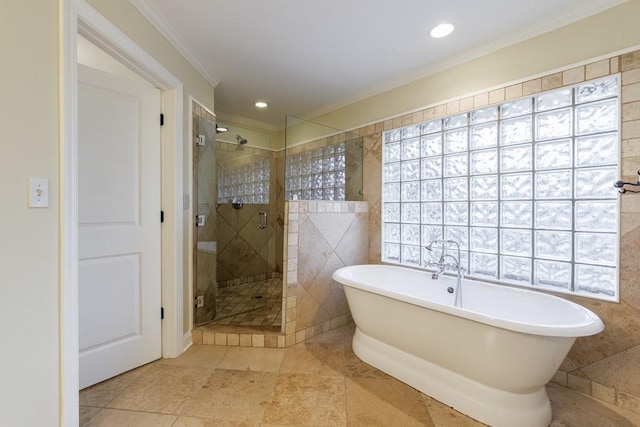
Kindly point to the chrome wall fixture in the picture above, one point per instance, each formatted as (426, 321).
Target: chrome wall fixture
(237, 203)
(262, 220)
(620, 185)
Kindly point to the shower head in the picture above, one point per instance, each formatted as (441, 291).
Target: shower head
(241, 140)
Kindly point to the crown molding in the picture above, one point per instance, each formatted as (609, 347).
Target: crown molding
(150, 13)
(239, 120)
(584, 10)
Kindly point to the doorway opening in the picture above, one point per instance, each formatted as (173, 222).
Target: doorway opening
(79, 18)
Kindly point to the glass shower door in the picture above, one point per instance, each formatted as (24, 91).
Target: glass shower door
(205, 231)
(242, 213)
(237, 227)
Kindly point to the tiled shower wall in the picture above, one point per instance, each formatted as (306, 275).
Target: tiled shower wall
(243, 248)
(606, 366)
(321, 236)
(245, 253)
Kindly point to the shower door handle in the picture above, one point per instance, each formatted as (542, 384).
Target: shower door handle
(262, 220)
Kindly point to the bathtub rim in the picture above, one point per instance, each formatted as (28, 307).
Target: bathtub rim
(592, 324)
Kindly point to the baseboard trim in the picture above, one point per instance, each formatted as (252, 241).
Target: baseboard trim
(187, 341)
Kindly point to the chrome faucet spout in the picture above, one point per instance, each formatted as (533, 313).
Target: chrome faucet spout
(441, 269)
(442, 265)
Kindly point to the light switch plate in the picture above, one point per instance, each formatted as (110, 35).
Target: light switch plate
(38, 193)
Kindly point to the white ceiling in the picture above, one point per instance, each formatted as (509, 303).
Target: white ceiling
(306, 57)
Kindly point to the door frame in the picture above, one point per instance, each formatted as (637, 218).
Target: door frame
(78, 17)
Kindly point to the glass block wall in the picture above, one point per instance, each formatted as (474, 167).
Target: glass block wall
(525, 188)
(247, 183)
(316, 174)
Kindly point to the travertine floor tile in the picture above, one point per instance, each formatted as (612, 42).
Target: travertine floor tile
(356, 368)
(233, 395)
(322, 355)
(86, 413)
(307, 400)
(442, 415)
(213, 422)
(574, 409)
(313, 359)
(384, 403)
(319, 383)
(353, 366)
(163, 389)
(198, 356)
(253, 359)
(115, 417)
(336, 337)
(101, 394)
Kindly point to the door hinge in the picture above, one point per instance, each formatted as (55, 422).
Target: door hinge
(161, 313)
(161, 216)
(161, 119)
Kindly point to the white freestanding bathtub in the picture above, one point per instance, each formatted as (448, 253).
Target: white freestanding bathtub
(489, 359)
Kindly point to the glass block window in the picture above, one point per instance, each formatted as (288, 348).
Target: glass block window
(316, 174)
(245, 184)
(525, 188)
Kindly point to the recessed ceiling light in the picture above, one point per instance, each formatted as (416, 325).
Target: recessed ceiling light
(441, 30)
(261, 104)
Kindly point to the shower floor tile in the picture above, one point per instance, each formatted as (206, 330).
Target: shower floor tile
(257, 305)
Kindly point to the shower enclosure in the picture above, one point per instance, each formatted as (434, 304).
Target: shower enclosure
(322, 163)
(237, 277)
(239, 192)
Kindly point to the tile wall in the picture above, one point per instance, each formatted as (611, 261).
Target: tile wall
(606, 366)
(320, 237)
(243, 248)
(245, 253)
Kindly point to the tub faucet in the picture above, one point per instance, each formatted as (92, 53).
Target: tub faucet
(442, 265)
(436, 274)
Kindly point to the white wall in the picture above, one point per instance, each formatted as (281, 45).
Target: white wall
(29, 303)
(607, 32)
(29, 238)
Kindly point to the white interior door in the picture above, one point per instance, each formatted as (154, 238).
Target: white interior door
(118, 224)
